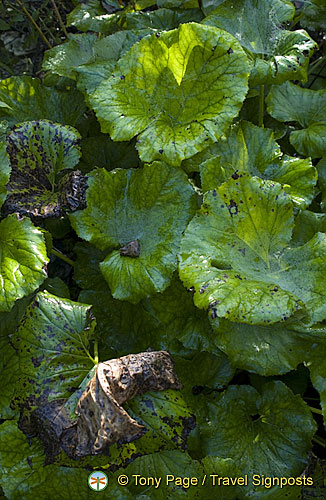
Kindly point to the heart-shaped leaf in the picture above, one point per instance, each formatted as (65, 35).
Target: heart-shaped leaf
(156, 87)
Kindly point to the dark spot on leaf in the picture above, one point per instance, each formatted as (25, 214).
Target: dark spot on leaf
(160, 151)
(230, 51)
(203, 288)
(232, 208)
(122, 77)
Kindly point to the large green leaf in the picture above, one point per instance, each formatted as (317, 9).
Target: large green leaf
(52, 341)
(236, 255)
(269, 432)
(27, 99)
(4, 172)
(140, 214)
(39, 152)
(253, 149)
(290, 102)
(277, 54)
(23, 260)
(177, 91)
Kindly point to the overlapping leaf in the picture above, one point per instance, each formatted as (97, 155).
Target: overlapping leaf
(177, 91)
(276, 428)
(27, 99)
(277, 54)
(236, 255)
(39, 152)
(289, 103)
(140, 214)
(53, 342)
(23, 260)
(253, 149)
(90, 59)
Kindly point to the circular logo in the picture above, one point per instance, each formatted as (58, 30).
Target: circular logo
(98, 481)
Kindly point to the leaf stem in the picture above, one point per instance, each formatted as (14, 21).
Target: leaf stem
(36, 26)
(59, 18)
(62, 257)
(261, 106)
(315, 410)
(96, 351)
(319, 441)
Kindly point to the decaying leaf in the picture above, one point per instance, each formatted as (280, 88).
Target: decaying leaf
(102, 421)
(99, 419)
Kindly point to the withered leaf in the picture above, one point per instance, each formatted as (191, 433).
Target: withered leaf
(92, 419)
(102, 420)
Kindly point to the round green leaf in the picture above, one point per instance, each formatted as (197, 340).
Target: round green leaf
(23, 260)
(277, 54)
(27, 99)
(141, 214)
(236, 255)
(39, 152)
(269, 432)
(177, 91)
